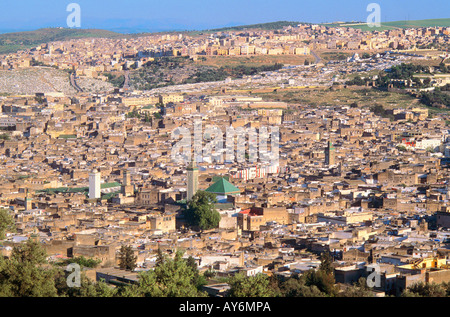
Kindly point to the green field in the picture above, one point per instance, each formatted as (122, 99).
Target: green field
(419, 23)
(252, 61)
(262, 26)
(362, 96)
(361, 25)
(394, 24)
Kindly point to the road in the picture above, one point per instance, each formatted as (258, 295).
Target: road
(126, 83)
(318, 59)
(74, 83)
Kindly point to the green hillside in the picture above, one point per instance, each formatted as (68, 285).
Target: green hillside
(419, 23)
(11, 42)
(393, 24)
(360, 25)
(261, 26)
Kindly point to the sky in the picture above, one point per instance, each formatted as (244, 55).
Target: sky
(165, 15)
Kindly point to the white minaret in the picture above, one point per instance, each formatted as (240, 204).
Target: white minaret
(94, 185)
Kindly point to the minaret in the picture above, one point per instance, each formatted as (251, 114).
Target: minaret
(329, 154)
(126, 178)
(28, 202)
(192, 180)
(127, 188)
(94, 185)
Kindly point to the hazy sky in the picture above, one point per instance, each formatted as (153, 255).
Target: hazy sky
(201, 14)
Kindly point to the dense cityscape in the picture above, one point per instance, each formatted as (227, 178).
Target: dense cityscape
(333, 180)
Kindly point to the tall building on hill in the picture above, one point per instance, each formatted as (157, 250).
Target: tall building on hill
(94, 185)
(192, 180)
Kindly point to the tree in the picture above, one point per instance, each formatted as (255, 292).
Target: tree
(295, 286)
(87, 288)
(358, 81)
(322, 280)
(446, 287)
(31, 252)
(127, 259)
(83, 262)
(434, 98)
(6, 223)
(422, 289)
(201, 211)
(171, 278)
(209, 273)
(199, 280)
(326, 261)
(401, 148)
(24, 274)
(359, 289)
(159, 256)
(250, 286)
(27, 274)
(175, 277)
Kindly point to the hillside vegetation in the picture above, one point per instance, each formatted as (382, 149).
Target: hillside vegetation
(262, 26)
(12, 42)
(394, 24)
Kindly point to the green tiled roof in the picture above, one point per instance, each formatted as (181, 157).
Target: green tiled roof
(77, 189)
(223, 187)
(109, 185)
(67, 136)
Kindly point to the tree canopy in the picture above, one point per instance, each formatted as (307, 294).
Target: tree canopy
(172, 277)
(6, 223)
(127, 259)
(201, 211)
(25, 274)
(250, 286)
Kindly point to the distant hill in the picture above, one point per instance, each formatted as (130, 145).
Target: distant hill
(12, 42)
(360, 25)
(393, 24)
(262, 26)
(419, 23)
